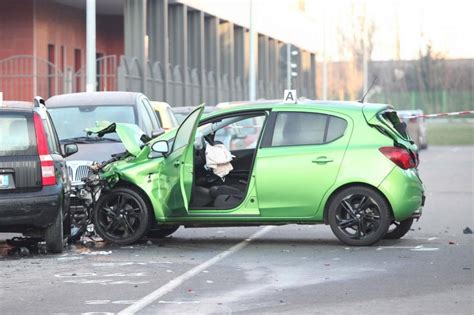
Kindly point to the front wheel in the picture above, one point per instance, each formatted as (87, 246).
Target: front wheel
(121, 216)
(359, 216)
(398, 229)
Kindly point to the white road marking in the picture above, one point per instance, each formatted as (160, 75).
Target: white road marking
(432, 238)
(176, 282)
(97, 302)
(178, 302)
(425, 249)
(399, 247)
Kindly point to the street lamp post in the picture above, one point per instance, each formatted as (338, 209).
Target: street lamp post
(90, 47)
(252, 69)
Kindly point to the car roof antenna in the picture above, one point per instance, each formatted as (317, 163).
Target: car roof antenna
(368, 90)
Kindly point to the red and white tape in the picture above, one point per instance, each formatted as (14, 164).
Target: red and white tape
(466, 112)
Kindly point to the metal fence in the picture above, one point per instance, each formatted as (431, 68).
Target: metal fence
(187, 87)
(24, 76)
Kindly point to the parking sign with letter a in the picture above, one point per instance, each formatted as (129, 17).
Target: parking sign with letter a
(289, 96)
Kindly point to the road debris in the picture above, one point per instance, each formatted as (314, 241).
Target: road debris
(467, 230)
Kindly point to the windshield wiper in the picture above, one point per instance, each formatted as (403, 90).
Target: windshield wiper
(87, 140)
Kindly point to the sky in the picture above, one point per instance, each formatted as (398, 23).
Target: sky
(447, 24)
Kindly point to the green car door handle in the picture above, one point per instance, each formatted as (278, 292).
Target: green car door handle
(322, 160)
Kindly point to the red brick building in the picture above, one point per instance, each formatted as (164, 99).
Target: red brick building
(55, 33)
(166, 49)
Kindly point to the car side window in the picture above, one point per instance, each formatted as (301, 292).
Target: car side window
(156, 123)
(242, 134)
(301, 128)
(293, 128)
(145, 117)
(337, 127)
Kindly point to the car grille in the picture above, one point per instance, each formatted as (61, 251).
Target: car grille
(78, 170)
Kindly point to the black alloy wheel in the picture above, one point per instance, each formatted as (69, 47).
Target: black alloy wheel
(398, 229)
(359, 216)
(121, 216)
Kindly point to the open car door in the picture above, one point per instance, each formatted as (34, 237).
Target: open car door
(176, 175)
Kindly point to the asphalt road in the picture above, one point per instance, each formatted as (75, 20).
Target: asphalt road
(290, 269)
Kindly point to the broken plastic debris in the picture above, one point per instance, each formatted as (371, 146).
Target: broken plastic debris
(451, 243)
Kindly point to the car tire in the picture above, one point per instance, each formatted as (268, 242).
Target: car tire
(162, 231)
(54, 236)
(359, 216)
(122, 216)
(401, 228)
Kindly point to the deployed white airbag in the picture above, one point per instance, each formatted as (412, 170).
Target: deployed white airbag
(218, 159)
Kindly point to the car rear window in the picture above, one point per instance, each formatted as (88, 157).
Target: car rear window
(16, 135)
(393, 121)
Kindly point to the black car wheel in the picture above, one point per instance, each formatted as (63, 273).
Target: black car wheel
(398, 229)
(121, 216)
(53, 235)
(359, 216)
(162, 231)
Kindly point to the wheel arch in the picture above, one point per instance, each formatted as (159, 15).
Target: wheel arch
(353, 184)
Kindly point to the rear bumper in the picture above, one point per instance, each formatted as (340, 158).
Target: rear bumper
(405, 193)
(22, 211)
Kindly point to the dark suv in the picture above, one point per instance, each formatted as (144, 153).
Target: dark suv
(34, 186)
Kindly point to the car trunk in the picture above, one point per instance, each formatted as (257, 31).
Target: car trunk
(19, 161)
(387, 122)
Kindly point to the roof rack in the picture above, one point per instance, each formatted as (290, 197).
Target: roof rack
(38, 101)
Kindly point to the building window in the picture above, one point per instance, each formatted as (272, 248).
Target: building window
(63, 58)
(51, 71)
(77, 67)
(99, 65)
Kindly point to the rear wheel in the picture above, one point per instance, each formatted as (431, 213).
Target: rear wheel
(398, 229)
(54, 236)
(359, 216)
(162, 231)
(121, 216)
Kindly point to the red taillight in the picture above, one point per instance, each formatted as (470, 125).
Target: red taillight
(48, 176)
(399, 156)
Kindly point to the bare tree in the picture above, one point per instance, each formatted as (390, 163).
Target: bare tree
(355, 42)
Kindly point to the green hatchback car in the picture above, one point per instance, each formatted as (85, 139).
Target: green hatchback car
(350, 165)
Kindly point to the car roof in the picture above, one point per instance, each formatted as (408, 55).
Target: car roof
(188, 109)
(17, 106)
(93, 98)
(338, 106)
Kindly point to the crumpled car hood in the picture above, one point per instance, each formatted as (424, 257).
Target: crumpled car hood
(131, 135)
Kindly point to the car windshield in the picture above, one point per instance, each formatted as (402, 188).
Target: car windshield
(71, 121)
(180, 116)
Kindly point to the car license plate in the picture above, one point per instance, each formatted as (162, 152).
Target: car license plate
(4, 181)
